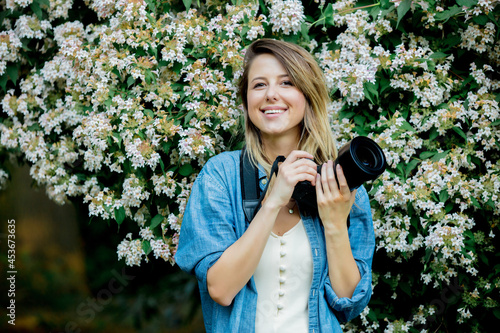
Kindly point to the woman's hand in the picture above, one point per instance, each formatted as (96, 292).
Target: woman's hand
(298, 166)
(334, 202)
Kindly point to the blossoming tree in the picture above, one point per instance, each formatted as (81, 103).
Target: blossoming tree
(121, 107)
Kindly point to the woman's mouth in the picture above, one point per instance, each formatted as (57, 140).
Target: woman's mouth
(273, 111)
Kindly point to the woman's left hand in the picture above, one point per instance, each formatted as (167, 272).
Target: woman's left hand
(334, 201)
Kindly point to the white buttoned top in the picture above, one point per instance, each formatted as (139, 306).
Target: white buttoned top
(283, 279)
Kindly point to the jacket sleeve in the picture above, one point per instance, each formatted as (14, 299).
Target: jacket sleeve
(362, 239)
(207, 228)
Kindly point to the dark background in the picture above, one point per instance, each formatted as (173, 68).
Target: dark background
(69, 278)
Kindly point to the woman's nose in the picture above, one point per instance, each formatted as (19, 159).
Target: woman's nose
(271, 94)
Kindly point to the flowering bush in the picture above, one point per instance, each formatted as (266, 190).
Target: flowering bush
(118, 104)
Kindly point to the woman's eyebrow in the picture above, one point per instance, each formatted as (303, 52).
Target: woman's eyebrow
(264, 78)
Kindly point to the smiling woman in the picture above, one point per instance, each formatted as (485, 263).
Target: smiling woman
(287, 270)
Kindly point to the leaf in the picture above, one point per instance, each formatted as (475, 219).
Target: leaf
(3, 82)
(460, 132)
(186, 170)
(328, 14)
(187, 3)
(403, 8)
(35, 7)
(155, 221)
(426, 154)
(467, 3)
(130, 81)
(370, 91)
(151, 6)
(12, 72)
(443, 196)
(439, 156)
(119, 215)
(447, 14)
(410, 166)
(475, 202)
(481, 19)
(118, 139)
(146, 246)
(438, 55)
(407, 126)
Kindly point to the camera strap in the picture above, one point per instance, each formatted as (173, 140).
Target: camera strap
(250, 189)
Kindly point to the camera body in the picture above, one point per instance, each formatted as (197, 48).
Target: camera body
(361, 160)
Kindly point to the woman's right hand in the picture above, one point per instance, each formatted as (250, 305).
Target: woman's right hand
(297, 167)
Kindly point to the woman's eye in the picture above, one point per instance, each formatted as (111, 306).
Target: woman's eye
(258, 85)
(287, 83)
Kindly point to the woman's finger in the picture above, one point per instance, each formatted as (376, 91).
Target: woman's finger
(342, 182)
(324, 179)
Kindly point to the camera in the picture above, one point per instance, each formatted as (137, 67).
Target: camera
(361, 160)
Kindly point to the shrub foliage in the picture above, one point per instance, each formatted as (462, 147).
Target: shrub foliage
(118, 104)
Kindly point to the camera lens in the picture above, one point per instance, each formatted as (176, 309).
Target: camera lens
(366, 156)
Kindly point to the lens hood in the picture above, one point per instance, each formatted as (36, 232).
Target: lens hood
(361, 160)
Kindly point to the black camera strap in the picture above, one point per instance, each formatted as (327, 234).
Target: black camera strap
(250, 189)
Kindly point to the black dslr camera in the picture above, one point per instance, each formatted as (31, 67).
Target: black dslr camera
(361, 160)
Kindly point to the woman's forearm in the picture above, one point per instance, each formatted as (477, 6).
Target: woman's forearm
(237, 264)
(342, 268)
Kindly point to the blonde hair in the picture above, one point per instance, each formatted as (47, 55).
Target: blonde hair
(305, 74)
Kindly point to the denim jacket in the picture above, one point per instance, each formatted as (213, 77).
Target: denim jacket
(214, 219)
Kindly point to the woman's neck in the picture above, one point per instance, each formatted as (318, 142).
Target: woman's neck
(276, 146)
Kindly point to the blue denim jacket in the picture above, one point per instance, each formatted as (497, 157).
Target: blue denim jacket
(214, 220)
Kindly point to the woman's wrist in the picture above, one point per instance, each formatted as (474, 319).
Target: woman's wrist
(271, 206)
(336, 229)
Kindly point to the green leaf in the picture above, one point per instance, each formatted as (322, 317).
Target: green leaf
(475, 202)
(151, 5)
(370, 91)
(187, 3)
(410, 166)
(119, 215)
(403, 8)
(443, 196)
(146, 246)
(467, 3)
(35, 7)
(407, 126)
(3, 82)
(447, 14)
(12, 72)
(130, 81)
(496, 312)
(186, 170)
(118, 139)
(481, 19)
(328, 14)
(439, 156)
(426, 154)
(155, 221)
(438, 55)
(460, 132)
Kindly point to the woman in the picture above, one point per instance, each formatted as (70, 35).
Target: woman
(286, 271)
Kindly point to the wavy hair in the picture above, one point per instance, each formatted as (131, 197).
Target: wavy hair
(305, 74)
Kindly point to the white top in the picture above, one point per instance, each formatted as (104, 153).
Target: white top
(283, 279)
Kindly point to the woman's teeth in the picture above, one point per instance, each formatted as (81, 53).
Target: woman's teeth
(273, 111)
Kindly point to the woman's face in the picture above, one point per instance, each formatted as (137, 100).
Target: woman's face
(275, 106)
